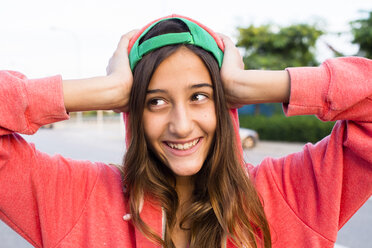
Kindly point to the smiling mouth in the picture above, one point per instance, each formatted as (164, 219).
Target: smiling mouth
(184, 146)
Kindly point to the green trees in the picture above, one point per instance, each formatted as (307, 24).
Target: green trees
(275, 48)
(362, 32)
(272, 47)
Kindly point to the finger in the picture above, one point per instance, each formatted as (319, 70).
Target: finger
(226, 40)
(121, 50)
(124, 40)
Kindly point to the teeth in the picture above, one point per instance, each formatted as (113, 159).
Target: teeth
(185, 146)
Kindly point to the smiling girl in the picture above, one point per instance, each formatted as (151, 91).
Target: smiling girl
(183, 182)
(186, 161)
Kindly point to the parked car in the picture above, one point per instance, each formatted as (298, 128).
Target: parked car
(248, 137)
(49, 126)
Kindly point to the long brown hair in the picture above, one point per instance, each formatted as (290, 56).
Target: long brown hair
(224, 200)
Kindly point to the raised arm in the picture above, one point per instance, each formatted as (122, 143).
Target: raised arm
(103, 93)
(36, 189)
(251, 86)
(308, 196)
(27, 104)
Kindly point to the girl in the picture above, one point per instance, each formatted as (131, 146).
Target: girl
(183, 182)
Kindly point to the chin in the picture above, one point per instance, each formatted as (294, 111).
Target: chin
(182, 172)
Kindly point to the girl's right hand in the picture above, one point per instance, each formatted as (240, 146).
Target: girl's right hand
(109, 92)
(119, 70)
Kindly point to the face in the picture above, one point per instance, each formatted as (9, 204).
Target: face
(179, 116)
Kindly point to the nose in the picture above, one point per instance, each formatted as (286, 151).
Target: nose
(180, 124)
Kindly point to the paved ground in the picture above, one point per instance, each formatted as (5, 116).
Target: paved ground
(106, 143)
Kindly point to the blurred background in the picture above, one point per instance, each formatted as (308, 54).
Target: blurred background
(76, 38)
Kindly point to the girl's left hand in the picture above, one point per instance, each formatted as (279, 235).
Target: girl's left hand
(250, 86)
(232, 66)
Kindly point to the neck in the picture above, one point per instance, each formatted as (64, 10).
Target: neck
(184, 188)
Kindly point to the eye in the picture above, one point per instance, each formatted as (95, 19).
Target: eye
(198, 97)
(156, 102)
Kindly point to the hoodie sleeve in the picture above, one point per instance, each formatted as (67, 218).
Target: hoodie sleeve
(326, 183)
(28, 104)
(36, 189)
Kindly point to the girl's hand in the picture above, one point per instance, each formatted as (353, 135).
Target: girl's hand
(232, 66)
(103, 93)
(119, 70)
(250, 86)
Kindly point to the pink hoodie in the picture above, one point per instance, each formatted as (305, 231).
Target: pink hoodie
(308, 196)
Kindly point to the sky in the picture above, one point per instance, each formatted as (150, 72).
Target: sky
(76, 38)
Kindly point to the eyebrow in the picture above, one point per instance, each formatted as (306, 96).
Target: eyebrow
(201, 86)
(156, 91)
(191, 87)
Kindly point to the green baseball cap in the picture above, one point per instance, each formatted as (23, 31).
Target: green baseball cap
(199, 35)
